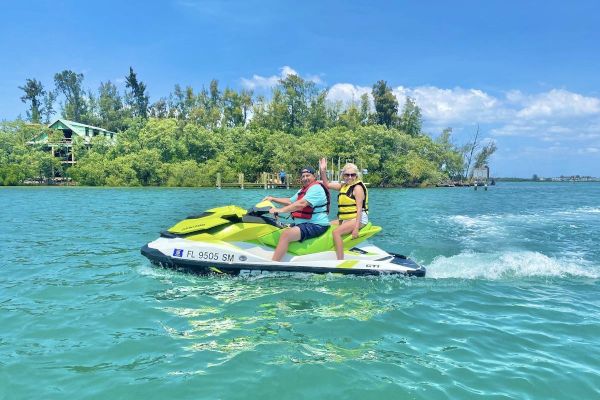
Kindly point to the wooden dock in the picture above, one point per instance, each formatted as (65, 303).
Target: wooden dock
(267, 181)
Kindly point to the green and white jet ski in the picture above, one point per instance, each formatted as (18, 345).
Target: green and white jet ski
(232, 240)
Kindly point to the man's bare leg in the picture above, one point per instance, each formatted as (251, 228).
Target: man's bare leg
(287, 236)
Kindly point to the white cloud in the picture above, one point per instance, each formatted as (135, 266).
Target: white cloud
(512, 129)
(285, 71)
(515, 96)
(347, 92)
(315, 79)
(558, 103)
(589, 150)
(548, 131)
(547, 116)
(440, 107)
(458, 105)
(260, 82)
(268, 82)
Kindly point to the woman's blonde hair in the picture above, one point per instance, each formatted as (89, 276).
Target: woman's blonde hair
(349, 167)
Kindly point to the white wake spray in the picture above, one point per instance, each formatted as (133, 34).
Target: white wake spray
(510, 264)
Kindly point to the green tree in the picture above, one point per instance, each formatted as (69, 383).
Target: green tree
(68, 83)
(179, 103)
(92, 110)
(90, 170)
(233, 113)
(120, 172)
(159, 109)
(165, 137)
(297, 94)
(110, 107)
(335, 111)
(451, 159)
(136, 97)
(386, 104)
(34, 94)
(419, 171)
(317, 112)
(209, 112)
(365, 109)
(48, 109)
(411, 120)
(147, 166)
(274, 115)
(48, 166)
(351, 117)
(190, 101)
(185, 173)
(246, 104)
(215, 94)
(17, 159)
(482, 158)
(202, 144)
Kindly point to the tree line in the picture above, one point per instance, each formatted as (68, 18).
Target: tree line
(188, 137)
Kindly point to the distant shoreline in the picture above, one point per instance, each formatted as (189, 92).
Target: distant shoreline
(548, 180)
(292, 187)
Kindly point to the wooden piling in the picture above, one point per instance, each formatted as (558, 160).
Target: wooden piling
(265, 180)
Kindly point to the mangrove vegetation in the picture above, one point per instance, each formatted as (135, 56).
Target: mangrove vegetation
(188, 137)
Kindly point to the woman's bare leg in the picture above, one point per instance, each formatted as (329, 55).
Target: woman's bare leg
(343, 229)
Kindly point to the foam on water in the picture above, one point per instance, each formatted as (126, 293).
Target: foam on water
(501, 224)
(495, 221)
(581, 211)
(507, 265)
(488, 224)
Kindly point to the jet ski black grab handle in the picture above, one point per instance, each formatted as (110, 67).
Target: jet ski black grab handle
(263, 212)
(258, 211)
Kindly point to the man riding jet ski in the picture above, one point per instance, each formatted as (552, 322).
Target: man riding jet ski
(309, 208)
(233, 240)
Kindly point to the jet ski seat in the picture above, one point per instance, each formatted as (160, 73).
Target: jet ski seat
(320, 243)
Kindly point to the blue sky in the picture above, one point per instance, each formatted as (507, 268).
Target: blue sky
(526, 71)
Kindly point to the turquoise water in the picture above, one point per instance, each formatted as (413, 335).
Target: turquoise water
(510, 307)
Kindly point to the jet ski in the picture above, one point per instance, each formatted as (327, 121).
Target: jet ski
(235, 241)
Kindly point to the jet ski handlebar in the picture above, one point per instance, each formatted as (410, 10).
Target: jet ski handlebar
(258, 211)
(263, 212)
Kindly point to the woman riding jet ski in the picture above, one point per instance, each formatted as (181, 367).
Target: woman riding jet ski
(233, 240)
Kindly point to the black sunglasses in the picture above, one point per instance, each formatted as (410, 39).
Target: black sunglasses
(349, 175)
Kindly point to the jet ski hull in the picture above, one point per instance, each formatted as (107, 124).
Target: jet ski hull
(253, 258)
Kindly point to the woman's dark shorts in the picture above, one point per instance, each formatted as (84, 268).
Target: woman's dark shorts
(309, 231)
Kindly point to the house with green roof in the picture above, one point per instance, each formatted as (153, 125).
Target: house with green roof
(63, 148)
(70, 129)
